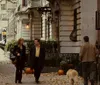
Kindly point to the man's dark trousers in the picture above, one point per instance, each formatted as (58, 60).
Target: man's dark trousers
(37, 69)
(86, 70)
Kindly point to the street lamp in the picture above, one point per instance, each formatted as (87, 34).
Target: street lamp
(4, 35)
(27, 26)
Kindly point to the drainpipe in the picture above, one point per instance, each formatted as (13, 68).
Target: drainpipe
(98, 32)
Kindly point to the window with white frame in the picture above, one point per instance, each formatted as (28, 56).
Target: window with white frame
(3, 6)
(4, 17)
(0, 16)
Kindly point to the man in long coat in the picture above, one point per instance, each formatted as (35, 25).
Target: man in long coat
(37, 58)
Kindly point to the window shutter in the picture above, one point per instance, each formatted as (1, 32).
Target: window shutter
(97, 20)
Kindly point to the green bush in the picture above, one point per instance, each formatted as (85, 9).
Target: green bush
(50, 46)
(10, 45)
(52, 58)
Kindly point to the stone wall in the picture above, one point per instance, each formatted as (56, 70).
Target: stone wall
(88, 9)
(67, 24)
(85, 23)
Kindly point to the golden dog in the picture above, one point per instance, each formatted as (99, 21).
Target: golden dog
(73, 77)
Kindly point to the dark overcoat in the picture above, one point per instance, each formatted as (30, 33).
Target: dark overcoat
(20, 60)
(41, 57)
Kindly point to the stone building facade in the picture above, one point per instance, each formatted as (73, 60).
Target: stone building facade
(76, 16)
(7, 7)
(66, 21)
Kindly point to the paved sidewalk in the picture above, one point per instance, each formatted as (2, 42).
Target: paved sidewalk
(7, 72)
(7, 75)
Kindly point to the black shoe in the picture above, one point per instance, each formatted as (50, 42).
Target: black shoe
(19, 82)
(16, 81)
(37, 81)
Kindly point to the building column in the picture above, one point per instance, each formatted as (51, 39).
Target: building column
(19, 29)
(36, 25)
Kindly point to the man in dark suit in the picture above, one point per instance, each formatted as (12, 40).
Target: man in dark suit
(37, 58)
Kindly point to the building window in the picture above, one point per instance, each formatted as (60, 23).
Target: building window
(3, 6)
(4, 17)
(24, 2)
(97, 20)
